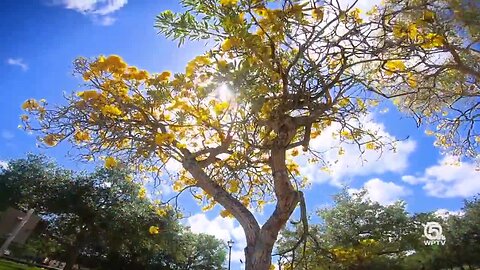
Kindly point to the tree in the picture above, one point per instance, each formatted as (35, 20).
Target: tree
(461, 232)
(355, 233)
(195, 251)
(277, 75)
(93, 215)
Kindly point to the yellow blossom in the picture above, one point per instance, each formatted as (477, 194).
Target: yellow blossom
(234, 186)
(401, 30)
(394, 66)
(161, 138)
(343, 102)
(141, 75)
(220, 107)
(411, 80)
(370, 146)
(356, 15)
(154, 230)
(51, 139)
(412, 31)
(317, 13)
(142, 193)
(433, 40)
(261, 203)
(165, 76)
(428, 16)
(222, 64)
(228, 44)
(81, 136)
(110, 162)
(110, 110)
(88, 95)
(114, 60)
(225, 213)
(228, 2)
(30, 104)
(161, 212)
(209, 206)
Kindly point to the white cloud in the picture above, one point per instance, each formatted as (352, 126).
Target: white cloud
(7, 135)
(222, 228)
(382, 192)
(448, 179)
(352, 163)
(445, 213)
(98, 10)
(17, 62)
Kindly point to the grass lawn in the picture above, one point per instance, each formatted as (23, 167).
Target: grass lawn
(8, 265)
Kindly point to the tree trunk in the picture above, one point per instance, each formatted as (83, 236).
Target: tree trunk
(74, 251)
(258, 256)
(72, 258)
(260, 241)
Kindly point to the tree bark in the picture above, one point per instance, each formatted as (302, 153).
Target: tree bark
(72, 258)
(260, 241)
(74, 251)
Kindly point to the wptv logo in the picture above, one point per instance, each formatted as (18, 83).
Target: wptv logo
(434, 233)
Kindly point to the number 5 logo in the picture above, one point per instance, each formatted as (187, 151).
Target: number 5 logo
(433, 231)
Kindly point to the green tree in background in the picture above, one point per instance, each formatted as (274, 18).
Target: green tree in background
(356, 233)
(102, 218)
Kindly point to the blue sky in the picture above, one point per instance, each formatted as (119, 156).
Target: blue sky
(41, 38)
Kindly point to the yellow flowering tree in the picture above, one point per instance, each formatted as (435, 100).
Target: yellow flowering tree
(276, 76)
(435, 76)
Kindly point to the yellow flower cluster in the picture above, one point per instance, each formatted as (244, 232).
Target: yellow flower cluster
(110, 162)
(317, 14)
(197, 62)
(220, 107)
(413, 33)
(142, 193)
(52, 139)
(370, 146)
(228, 2)
(88, 95)
(154, 230)
(111, 110)
(405, 31)
(230, 43)
(161, 138)
(392, 66)
(81, 136)
(234, 186)
(113, 64)
(293, 168)
(433, 40)
(30, 105)
(165, 76)
(161, 211)
(225, 213)
(368, 241)
(355, 14)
